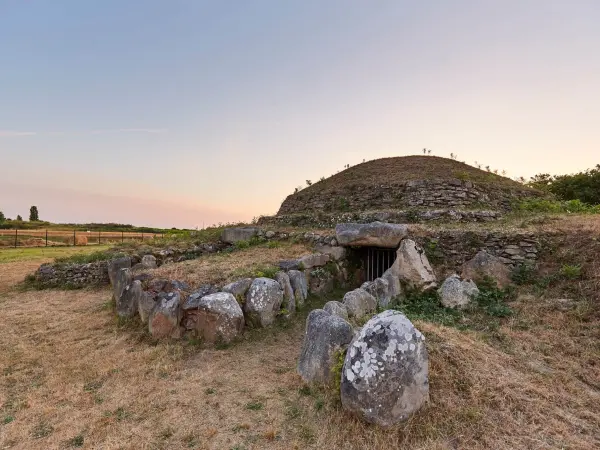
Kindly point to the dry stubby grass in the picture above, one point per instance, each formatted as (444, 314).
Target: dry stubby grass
(224, 267)
(72, 376)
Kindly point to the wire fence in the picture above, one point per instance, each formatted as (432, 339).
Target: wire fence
(63, 238)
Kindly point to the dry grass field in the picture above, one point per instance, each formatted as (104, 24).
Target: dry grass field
(73, 377)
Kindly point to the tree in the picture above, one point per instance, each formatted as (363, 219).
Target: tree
(33, 214)
(2, 218)
(583, 186)
(19, 217)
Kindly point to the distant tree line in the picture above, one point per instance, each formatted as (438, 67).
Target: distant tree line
(583, 186)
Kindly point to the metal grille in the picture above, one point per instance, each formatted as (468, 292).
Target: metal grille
(378, 260)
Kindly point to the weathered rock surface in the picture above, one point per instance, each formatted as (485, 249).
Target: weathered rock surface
(233, 235)
(117, 264)
(335, 253)
(375, 234)
(218, 318)
(336, 309)
(385, 373)
(263, 301)
(193, 300)
(359, 303)
(325, 334)
(238, 289)
(289, 301)
(149, 262)
(121, 279)
(166, 316)
(145, 306)
(456, 293)
(300, 287)
(380, 289)
(483, 265)
(313, 260)
(127, 303)
(320, 281)
(412, 266)
(395, 290)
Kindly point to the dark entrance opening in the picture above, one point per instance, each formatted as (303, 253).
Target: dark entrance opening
(376, 261)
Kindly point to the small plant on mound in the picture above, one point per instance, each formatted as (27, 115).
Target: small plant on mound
(570, 271)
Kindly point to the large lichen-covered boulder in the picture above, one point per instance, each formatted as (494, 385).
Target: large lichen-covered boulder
(325, 334)
(413, 268)
(166, 316)
(359, 303)
(484, 266)
(385, 372)
(127, 303)
(336, 309)
(263, 301)
(289, 301)
(375, 234)
(457, 293)
(238, 289)
(115, 265)
(218, 318)
(233, 235)
(300, 286)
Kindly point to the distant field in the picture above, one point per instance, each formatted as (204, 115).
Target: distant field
(42, 253)
(43, 238)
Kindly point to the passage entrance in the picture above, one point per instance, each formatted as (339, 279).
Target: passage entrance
(377, 260)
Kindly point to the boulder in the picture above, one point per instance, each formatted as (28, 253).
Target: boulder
(289, 301)
(456, 293)
(117, 264)
(233, 235)
(320, 281)
(263, 301)
(485, 266)
(238, 289)
(193, 300)
(149, 262)
(121, 279)
(289, 264)
(145, 306)
(375, 234)
(380, 289)
(359, 303)
(127, 303)
(336, 309)
(395, 290)
(300, 287)
(385, 372)
(313, 260)
(325, 334)
(412, 267)
(335, 253)
(166, 316)
(218, 318)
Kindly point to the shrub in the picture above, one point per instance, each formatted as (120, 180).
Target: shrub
(570, 271)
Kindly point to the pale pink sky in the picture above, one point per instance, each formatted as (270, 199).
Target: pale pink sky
(183, 113)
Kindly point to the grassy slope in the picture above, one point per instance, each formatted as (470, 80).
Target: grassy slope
(42, 254)
(400, 169)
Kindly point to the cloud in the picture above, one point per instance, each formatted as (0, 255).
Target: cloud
(131, 130)
(11, 133)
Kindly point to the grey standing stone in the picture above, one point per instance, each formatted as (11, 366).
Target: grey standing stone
(149, 262)
(385, 373)
(263, 301)
(483, 265)
(413, 268)
(121, 279)
(325, 334)
(117, 264)
(166, 316)
(145, 306)
(127, 303)
(238, 289)
(289, 301)
(336, 309)
(218, 318)
(359, 303)
(300, 286)
(456, 293)
(380, 289)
